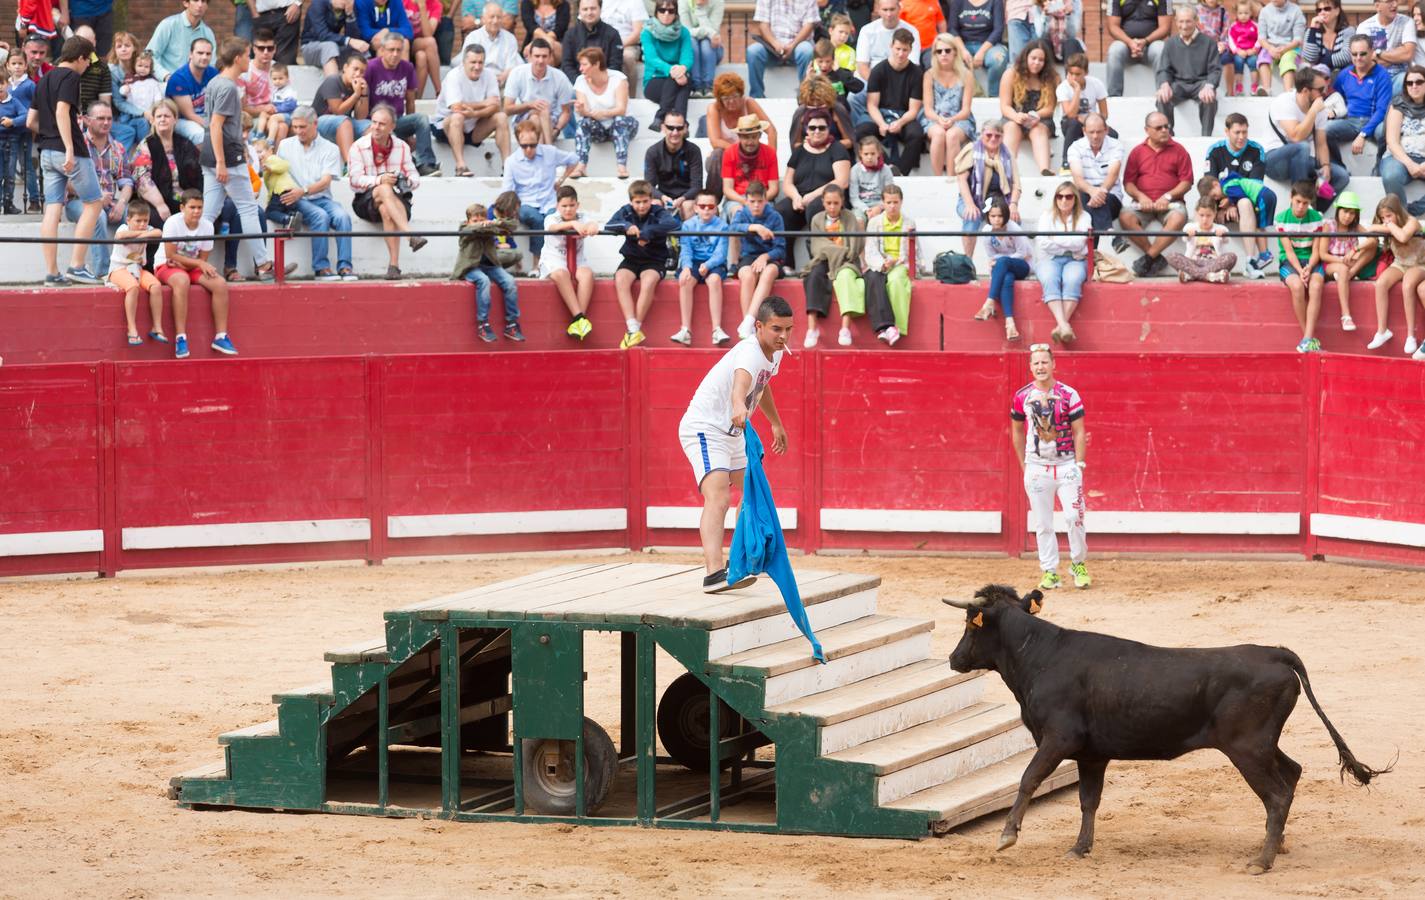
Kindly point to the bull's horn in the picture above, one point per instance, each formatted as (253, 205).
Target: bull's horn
(964, 604)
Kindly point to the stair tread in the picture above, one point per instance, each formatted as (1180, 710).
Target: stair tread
(213, 771)
(876, 693)
(261, 729)
(839, 641)
(372, 649)
(828, 586)
(933, 739)
(321, 688)
(983, 791)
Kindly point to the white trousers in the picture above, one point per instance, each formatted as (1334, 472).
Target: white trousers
(1041, 483)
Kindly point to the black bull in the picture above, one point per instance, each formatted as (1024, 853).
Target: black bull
(1094, 698)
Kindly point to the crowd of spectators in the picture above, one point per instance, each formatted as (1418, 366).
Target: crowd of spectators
(872, 102)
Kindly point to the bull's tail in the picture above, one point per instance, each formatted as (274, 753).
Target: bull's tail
(1358, 770)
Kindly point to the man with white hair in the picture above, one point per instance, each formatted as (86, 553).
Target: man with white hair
(314, 162)
(1188, 69)
(502, 51)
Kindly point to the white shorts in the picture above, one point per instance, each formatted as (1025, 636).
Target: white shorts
(711, 450)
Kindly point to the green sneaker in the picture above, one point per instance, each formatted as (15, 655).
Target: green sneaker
(1050, 581)
(1081, 575)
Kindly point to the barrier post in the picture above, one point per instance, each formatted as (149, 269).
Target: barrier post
(634, 419)
(375, 373)
(279, 256)
(1016, 504)
(571, 249)
(108, 470)
(809, 520)
(1088, 276)
(1311, 463)
(910, 254)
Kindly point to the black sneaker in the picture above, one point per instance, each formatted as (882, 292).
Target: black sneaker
(1141, 265)
(1120, 244)
(428, 170)
(10, 209)
(1158, 266)
(717, 582)
(485, 332)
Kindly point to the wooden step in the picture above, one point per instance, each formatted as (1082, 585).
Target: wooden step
(991, 788)
(261, 729)
(213, 771)
(317, 690)
(841, 641)
(844, 670)
(773, 625)
(947, 734)
(370, 650)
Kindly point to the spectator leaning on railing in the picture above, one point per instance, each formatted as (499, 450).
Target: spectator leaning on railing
(384, 178)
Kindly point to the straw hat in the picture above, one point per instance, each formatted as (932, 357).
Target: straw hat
(750, 124)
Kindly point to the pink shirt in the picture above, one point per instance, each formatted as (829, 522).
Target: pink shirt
(1244, 36)
(256, 87)
(1049, 435)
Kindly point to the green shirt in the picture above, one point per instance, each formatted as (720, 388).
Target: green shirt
(1308, 227)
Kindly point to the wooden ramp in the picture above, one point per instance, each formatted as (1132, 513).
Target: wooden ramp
(880, 740)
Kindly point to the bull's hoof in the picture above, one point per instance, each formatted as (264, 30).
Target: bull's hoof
(1076, 853)
(1007, 840)
(1257, 867)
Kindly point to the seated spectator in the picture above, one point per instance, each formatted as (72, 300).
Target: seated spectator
(674, 166)
(1202, 258)
(985, 170)
(1405, 141)
(1239, 60)
(869, 178)
(284, 96)
(1299, 124)
(1327, 47)
(1394, 38)
(343, 105)
(330, 31)
(188, 88)
(1009, 254)
(1366, 89)
(1407, 245)
(130, 105)
(530, 173)
(702, 260)
(548, 20)
(575, 288)
(37, 57)
(384, 179)
(391, 80)
(601, 109)
(1189, 69)
(750, 161)
(1062, 268)
(628, 18)
(1138, 29)
(1096, 167)
(813, 167)
(843, 81)
(703, 19)
(469, 109)
(1301, 269)
(817, 97)
(947, 93)
(1282, 30)
(172, 42)
(182, 262)
(927, 17)
(424, 16)
(377, 20)
(591, 31)
(116, 183)
(314, 163)
(1026, 100)
(729, 107)
(645, 227)
(257, 89)
(888, 269)
(178, 169)
(1156, 178)
(1236, 168)
(97, 83)
(507, 206)
(667, 62)
(128, 275)
(477, 262)
(1079, 94)
(979, 24)
(502, 51)
(873, 46)
(834, 268)
(763, 251)
(540, 93)
(893, 101)
(781, 36)
(1349, 258)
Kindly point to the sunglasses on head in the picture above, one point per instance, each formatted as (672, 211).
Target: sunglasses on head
(1035, 348)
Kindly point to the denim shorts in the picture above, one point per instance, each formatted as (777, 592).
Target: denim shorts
(719, 271)
(85, 180)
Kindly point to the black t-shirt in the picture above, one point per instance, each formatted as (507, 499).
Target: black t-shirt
(897, 89)
(815, 169)
(60, 83)
(1139, 17)
(330, 92)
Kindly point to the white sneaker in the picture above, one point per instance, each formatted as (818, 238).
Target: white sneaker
(746, 328)
(1411, 346)
(720, 337)
(1418, 355)
(812, 337)
(844, 338)
(684, 337)
(890, 335)
(1380, 339)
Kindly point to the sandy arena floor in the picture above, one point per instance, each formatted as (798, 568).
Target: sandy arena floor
(110, 687)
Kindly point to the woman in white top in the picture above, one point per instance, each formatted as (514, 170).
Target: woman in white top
(1063, 257)
(601, 108)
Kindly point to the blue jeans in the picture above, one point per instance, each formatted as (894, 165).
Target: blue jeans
(10, 149)
(533, 219)
(327, 126)
(191, 130)
(1062, 278)
(1394, 177)
(759, 58)
(705, 60)
(1343, 131)
(416, 125)
(325, 214)
(859, 116)
(1297, 162)
(1018, 32)
(1006, 271)
(84, 180)
(96, 258)
(481, 276)
(32, 170)
(242, 21)
(996, 61)
(230, 223)
(129, 130)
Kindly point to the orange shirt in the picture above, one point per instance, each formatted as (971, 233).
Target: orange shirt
(923, 16)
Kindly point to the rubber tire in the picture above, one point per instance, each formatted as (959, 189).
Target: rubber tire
(600, 767)
(683, 722)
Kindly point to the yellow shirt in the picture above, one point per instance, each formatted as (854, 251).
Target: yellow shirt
(846, 57)
(891, 246)
(277, 175)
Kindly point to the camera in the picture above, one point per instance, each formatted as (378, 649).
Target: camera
(403, 184)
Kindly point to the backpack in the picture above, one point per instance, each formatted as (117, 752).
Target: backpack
(954, 268)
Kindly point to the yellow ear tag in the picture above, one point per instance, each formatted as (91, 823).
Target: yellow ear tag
(978, 620)
(1034, 607)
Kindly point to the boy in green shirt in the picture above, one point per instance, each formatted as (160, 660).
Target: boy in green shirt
(1301, 227)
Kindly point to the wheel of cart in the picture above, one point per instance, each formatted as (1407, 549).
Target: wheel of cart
(549, 775)
(683, 722)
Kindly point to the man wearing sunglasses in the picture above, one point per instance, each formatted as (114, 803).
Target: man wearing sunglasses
(1366, 89)
(674, 166)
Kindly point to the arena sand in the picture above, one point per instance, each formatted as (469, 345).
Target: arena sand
(107, 688)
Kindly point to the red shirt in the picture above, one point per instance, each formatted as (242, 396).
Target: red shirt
(1156, 172)
(765, 169)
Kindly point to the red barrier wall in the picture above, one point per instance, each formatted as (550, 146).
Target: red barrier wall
(134, 465)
